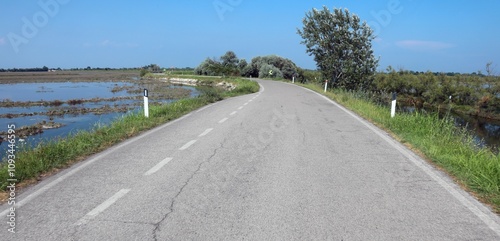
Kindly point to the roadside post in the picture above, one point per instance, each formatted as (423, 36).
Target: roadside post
(293, 79)
(326, 84)
(393, 107)
(146, 103)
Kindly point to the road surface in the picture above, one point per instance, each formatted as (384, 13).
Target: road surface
(281, 164)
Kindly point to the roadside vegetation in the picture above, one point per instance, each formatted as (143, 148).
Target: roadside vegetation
(466, 94)
(33, 163)
(474, 94)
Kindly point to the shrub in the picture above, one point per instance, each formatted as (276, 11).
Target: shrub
(265, 72)
(285, 66)
(144, 72)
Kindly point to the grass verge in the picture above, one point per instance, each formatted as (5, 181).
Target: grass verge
(46, 158)
(448, 147)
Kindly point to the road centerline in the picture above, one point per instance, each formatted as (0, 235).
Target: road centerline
(223, 120)
(187, 145)
(102, 207)
(158, 166)
(206, 132)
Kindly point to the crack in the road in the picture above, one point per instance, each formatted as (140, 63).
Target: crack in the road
(124, 222)
(165, 217)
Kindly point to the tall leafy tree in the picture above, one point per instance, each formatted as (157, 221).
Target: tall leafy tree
(229, 62)
(229, 59)
(341, 46)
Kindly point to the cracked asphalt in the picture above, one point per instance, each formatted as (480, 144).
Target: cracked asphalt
(281, 164)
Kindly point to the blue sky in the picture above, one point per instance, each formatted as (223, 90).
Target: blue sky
(447, 36)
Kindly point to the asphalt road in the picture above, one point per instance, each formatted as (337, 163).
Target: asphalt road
(281, 164)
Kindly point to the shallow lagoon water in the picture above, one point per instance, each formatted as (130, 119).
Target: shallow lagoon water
(68, 91)
(59, 91)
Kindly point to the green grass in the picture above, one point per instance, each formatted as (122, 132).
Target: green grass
(451, 148)
(31, 163)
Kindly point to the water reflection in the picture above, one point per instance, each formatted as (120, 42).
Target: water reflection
(59, 91)
(486, 132)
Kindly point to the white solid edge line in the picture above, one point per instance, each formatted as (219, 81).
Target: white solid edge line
(158, 166)
(187, 145)
(206, 107)
(103, 206)
(206, 132)
(474, 208)
(223, 120)
(84, 164)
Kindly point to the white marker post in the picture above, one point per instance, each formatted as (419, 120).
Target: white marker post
(146, 103)
(293, 79)
(326, 84)
(393, 107)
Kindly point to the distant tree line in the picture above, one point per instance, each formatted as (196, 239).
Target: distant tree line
(151, 67)
(105, 68)
(478, 73)
(42, 69)
(45, 69)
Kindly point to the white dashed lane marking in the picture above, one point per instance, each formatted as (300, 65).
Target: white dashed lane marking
(158, 166)
(187, 145)
(99, 209)
(206, 132)
(233, 113)
(223, 120)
